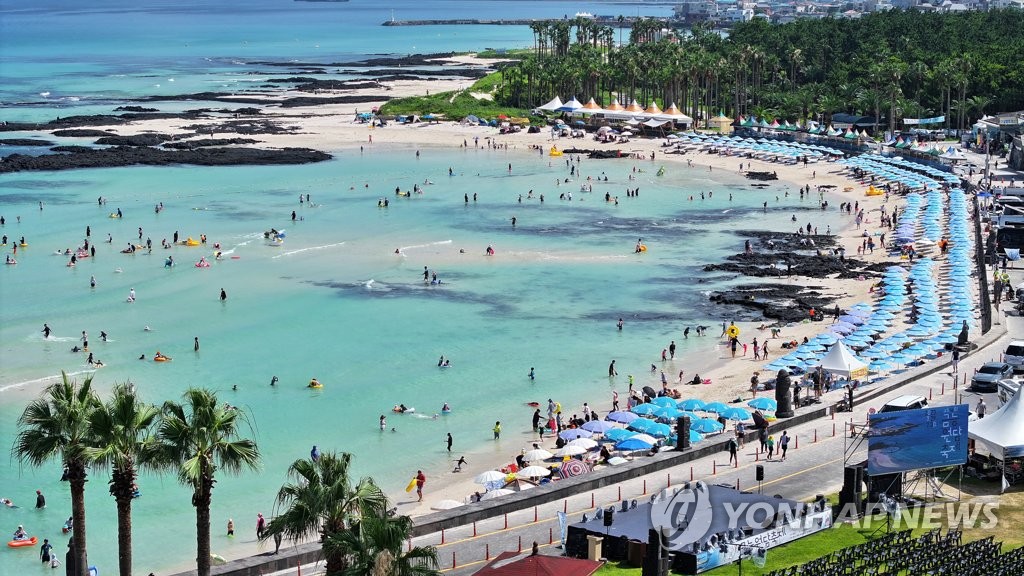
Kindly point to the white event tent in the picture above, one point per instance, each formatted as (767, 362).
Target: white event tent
(841, 361)
(1002, 432)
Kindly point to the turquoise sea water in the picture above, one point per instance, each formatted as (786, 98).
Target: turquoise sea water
(334, 302)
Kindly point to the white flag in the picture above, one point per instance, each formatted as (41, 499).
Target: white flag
(759, 557)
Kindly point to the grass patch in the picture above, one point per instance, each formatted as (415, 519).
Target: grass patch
(458, 104)
(504, 53)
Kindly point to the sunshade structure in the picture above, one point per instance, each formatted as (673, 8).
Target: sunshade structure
(573, 468)
(537, 455)
(841, 361)
(722, 122)
(570, 106)
(615, 107)
(634, 106)
(489, 476)
(492, 494)
(551, 106)
(516, 564)
(446, 505)
(591, 106)
(653, 109)
(1002, 432)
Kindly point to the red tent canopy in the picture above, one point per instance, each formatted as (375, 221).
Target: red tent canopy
(523, 564)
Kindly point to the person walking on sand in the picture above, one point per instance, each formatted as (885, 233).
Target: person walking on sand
(261, 526)
(770, 443)
(497, 430)
(421, 479)
(754, 380)
(448, 442)
(784, 445)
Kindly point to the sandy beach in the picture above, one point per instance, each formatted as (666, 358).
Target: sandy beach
(332, 128)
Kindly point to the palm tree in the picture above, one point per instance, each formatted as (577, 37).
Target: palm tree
(322, 501)
(198, 437)
(374, 547)
(121, 432)
(57, 425)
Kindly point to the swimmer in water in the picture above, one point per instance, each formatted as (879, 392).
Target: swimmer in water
(147, 329)
(273, 381)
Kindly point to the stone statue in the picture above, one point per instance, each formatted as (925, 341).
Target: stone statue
(783, 397)
(962, 339)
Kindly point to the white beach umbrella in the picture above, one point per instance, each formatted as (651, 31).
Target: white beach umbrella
(491, 494)
(536, 455)
(533, 472)
(489, 476)
(446, 505)
(585, 443)
(569, 450)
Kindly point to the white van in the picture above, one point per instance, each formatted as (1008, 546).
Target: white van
(1014, 355)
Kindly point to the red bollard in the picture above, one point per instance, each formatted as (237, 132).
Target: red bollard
(506, 522)
(551, 535)
(534, 514)
(442, 537)
(833, 429)
(737, 484)
(620, 492)
(487, 551)
(669, 475)
(714, 468)
(929, 394)
(757, 455)
(591, 499)
(474, 529)
(942, 391)
(520, 544)
(815, 435)
(691, 473)
(298, 568)
(565, 507)
(453, 560)
(645, 486)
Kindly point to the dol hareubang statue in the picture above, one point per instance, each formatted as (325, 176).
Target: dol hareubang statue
(783, 397)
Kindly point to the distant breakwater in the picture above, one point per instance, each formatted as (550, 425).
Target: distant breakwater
(613, 21)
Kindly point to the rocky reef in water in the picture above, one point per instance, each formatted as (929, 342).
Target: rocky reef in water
(72, 157)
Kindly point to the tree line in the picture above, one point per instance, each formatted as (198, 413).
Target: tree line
(197, 439)
(891, 65)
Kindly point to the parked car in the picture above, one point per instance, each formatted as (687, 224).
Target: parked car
(987, 378)
(905, 402)
(1014, 355)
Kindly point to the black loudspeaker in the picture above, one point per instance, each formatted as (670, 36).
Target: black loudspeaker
(853, 479)
(609, 515)
(759, 473)
(683, 433)
(889, 484)
(656, 561)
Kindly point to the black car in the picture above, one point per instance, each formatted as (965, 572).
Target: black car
(987, 378)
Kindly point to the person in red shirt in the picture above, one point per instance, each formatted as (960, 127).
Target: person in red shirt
(421, 479)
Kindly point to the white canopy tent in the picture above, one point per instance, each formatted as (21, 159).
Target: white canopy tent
(555, 104)
(841, 361)
(1002, 432)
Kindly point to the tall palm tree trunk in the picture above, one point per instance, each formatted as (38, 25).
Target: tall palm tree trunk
(77, 480)
(201, 500)
(121, 486)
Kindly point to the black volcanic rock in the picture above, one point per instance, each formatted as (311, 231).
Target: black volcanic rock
(135, 109)
(24, 142)
(136, 140)
(83, 133)
(80, 157)
(208, 143)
